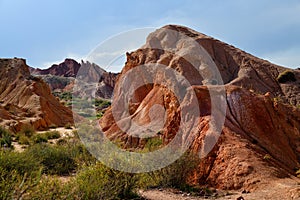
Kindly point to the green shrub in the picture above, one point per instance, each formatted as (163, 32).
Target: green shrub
(92, 183)
(99, 114)
(101, 182)
(55, 159)
(9, 180)
(23, 140)
(19, 173)
(81, 155)
(51, 188)
(62, 141)
(68, 126)
(27, 130)
(286, 76)
(14, 185)
(20, 162)
(175, 175)
(67, 96)
(53, 126)
(39, 138)
(153, 144)
(5, 138)
(52, 135)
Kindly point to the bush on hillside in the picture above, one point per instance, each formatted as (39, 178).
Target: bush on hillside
(286, 76)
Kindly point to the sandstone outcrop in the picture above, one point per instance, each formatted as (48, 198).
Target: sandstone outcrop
(26, 99)
(260, 139)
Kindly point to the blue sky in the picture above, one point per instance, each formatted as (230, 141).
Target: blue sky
(46, 32)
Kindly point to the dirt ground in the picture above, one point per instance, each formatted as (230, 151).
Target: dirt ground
(282, 189)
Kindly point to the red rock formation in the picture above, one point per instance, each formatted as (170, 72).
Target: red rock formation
(26, 99)
(62, 76)
(256, 125)
(68, 68)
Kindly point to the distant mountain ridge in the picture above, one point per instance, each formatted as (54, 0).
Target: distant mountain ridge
(61, 76)
(68, 68)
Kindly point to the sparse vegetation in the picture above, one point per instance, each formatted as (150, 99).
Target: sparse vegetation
(55, 159)
(176, 175)
(277, 99)
(61, 141)
(52, 126)
(52, 135)
(22, 163)
(101, 103)
(286, 76)
(23, 140)
(67, 96)
(15, 186)
(5, 138)
(153, 144)
(38, 166)
(68, 126)
(52, 188)
(39, 138)
(27, 130)
(101, 182)
(267, 157)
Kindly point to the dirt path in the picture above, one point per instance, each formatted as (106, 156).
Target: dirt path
(168, 194)
(156, 194)
(282, 189)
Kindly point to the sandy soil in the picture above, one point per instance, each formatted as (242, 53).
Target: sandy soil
(63, 131)
(282, 189)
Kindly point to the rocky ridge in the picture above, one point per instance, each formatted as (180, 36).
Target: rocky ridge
(61, 77)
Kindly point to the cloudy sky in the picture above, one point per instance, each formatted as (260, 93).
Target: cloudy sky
(46, 32)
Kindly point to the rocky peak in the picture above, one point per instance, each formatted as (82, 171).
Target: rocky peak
(11, 70)
(235, 66)
(68, 68)
(256, 124)
(14, 66)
